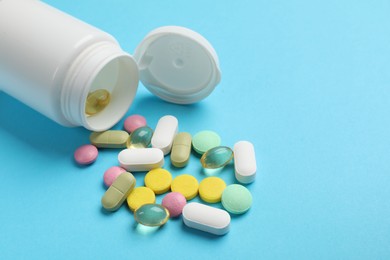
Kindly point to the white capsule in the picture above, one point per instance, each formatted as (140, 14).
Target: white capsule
(165, 132)
(206, 218)
(244, 162)
(141, 159)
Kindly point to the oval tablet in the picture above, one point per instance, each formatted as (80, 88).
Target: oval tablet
(164, 133)
(206, 218)
(244, 162)
(109, 139)
(141, 159)
(118, 191)
(181, 150)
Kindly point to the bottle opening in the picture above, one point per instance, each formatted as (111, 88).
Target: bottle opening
(111, 93)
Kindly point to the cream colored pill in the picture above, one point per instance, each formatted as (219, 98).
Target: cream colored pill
(206, 218)
(141, 159)
(109, 139)
(165, 132)
(118, 191)
(181, 149)
(244, 162)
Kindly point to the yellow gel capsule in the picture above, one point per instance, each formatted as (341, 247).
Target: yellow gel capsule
(211, 188)
(185, 184)
(139, 197)
(118, 191)
(181, 150)
(216, 157)
(158, 180)
(109, 139)
(97, 101)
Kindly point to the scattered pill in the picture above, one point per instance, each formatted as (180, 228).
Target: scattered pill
(236, 199)
(142, 159)
(204, 141)
(158, 180)
(211, 188)
(216, 157)
(206, 218)
(111, 174)
(140, 138)
(165, 132)
(185, 184)
(181, 150)
(133, 122)
(118, 191)
(97, 101)
(139, 197)
(151, 215)
(109, 139)
(174, 202)
(244, 162)
(86, 154)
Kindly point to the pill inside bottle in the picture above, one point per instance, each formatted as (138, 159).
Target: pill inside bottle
(96, 101)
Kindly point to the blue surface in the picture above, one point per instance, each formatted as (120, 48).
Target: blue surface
(306, 81)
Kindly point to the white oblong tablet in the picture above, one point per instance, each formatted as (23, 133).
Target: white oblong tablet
(244, 162)
(141, 159)
(206, 218)
(165, 132)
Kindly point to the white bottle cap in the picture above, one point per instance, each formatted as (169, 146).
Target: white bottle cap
(177, 64)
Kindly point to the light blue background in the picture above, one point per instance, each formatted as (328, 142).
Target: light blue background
(306, 81)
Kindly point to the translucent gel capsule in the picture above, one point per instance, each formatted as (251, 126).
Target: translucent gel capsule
(97, 101)
(140, 138)
(216, 157)
(151, 215)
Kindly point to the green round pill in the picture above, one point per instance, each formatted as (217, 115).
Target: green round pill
(205, 140)
(236, 199)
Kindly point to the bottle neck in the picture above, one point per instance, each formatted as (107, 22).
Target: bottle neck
(103, 62)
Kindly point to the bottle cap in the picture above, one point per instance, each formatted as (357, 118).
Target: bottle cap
(177, 64)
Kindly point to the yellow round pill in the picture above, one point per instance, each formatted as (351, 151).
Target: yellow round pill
(139, 197)
(185, 184)
(211, 188)
(158, 180)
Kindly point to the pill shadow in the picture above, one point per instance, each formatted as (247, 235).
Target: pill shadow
(200, 233)
(37, 131)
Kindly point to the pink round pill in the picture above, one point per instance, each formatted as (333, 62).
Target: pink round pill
(111, 174)
(86, 154)
(174, 202)
(133, 122)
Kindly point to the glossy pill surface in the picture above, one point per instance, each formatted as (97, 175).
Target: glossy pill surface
(236, 199)
(205, 140)
(151, 215)
(97, 101)
(174, 202)
(181, 149)
(139, 197)
(244, 162)
(133, 122)
(211, 188)
(142, 159)
(111, 174)
(216, 157)
(206, 218)
(140, 138)
(185, 184)
(109, 139)
(158, 180)
(86, 154)
(165, 132)
(118, 191)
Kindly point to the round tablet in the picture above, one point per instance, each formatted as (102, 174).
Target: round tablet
(86, 154)
(111, 174)
(139, 197)
(185, 184)
(133, 122)
(211, 188)
(236, 199)
(158, 180)
(174, 202)
(205, 140)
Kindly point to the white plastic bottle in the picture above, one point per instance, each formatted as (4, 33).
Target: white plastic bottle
(52, 61)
